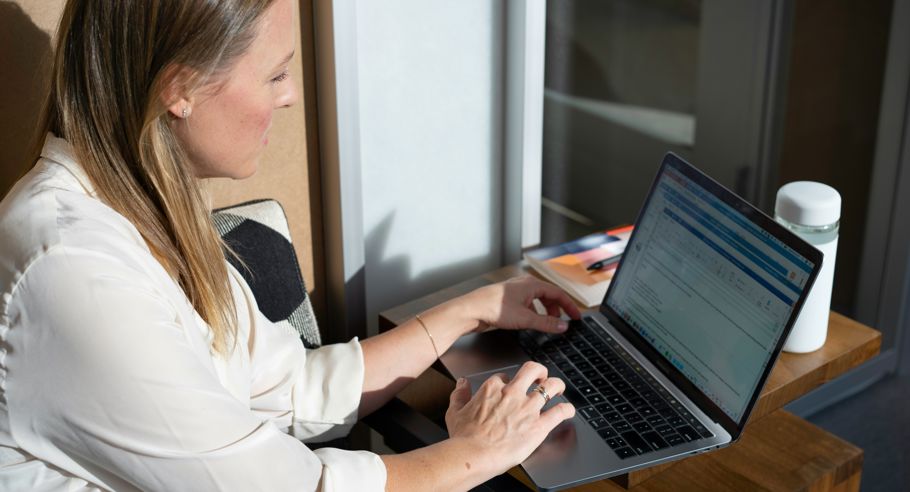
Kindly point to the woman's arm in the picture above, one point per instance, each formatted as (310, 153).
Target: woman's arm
(394, 358)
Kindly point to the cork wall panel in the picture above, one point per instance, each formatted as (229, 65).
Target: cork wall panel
(26, 33)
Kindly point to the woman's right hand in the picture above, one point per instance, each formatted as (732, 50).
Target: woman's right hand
(503, 422)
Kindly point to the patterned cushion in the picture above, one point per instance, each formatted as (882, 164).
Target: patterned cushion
(258, 232)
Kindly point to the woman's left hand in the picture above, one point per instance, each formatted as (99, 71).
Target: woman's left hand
(510, 305)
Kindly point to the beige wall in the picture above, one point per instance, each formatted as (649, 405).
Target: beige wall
(286, 174)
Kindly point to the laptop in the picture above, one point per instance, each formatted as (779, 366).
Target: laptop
(673, 361)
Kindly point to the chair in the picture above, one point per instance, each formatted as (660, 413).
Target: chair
(258, 233)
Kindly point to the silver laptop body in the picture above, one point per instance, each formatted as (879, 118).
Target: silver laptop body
(702, 301)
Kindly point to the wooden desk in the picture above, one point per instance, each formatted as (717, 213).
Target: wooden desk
(778, 451)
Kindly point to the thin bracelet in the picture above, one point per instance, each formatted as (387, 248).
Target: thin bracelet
(432, 340)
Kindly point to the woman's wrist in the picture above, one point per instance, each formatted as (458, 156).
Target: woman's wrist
(480, 462)
(467, 313)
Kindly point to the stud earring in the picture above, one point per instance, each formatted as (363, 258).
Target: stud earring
(185, 113)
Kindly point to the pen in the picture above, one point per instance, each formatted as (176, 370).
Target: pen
(600, 264)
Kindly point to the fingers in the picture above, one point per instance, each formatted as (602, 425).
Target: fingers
(555, 415)
(461, 395)
(551, 295)
(552, 386)
(527, 375)
(553, 310)
(546, 324)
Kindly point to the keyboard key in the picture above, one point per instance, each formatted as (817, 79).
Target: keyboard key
(628, 393)
(654, 440)
(588, 413)
(574, 396)
(667, 412)
(642, 427)
(688, 433)
(616, 400)
(591, 374)
(674, 439)
(648, 411)
(624, 453)
(702, 431)
(595, 398)
(604, 408)
(598, 423)
(675, 421)
(621, 426)
(656, 420)
(608, 432)
(589, 390)
(598, 382)
(639, 385)
(636, 442)
(616, 442)
(583, 365)
(613, 417)
(665, 430)
(633, 417)
(624, 408)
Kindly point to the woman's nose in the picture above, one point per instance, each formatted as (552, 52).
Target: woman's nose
(288, 96)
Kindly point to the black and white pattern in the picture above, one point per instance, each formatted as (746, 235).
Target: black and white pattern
(258, 232)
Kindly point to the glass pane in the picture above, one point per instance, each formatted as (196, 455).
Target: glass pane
(837, 67)
(620, 92)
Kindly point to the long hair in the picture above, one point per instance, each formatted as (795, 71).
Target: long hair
(114, 59)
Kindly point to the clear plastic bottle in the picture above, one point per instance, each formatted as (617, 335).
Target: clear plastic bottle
(812, 211)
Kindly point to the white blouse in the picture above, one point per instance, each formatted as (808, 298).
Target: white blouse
(107, 380)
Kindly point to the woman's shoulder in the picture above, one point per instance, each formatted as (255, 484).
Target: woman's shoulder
(50, 208)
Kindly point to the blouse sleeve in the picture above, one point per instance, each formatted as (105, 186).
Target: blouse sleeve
(312, 393)
(104, 381)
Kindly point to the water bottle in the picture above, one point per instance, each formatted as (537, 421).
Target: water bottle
(812, 211)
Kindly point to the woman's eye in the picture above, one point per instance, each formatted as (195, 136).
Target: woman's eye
(284, 75)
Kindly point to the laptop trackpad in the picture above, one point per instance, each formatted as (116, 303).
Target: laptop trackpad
(483, 352)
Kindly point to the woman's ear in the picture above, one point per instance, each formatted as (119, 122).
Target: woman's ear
(175, 94)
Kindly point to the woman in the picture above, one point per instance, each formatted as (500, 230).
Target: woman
(133, 357)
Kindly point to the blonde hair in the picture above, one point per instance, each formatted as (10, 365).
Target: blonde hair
(114, 59)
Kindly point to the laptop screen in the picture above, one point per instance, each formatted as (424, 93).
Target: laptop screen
(708, 289)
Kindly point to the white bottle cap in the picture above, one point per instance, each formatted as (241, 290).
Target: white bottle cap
(808, 203)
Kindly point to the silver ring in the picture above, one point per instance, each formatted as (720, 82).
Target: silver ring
(543, 392)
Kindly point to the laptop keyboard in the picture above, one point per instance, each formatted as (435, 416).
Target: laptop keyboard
(630, 410)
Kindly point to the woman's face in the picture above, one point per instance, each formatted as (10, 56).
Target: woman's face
(226, 127)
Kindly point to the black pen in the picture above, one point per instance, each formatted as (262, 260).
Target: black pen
(599, 264)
